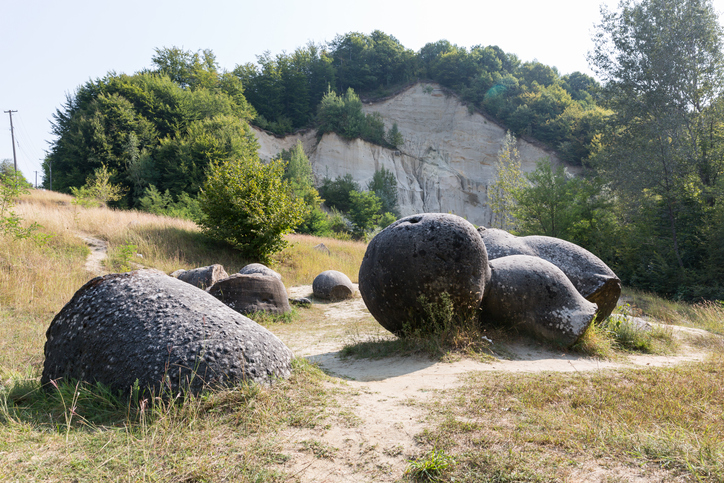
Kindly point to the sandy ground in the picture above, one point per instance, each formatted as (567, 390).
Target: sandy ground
(98, 252)
(376, 439)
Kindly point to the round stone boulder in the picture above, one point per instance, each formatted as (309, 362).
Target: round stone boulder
(588, 273)
(332, 285)
(535, 296)
(164, 334)
(252, 293)
(202, 277)
(260, 269)
(409, 264)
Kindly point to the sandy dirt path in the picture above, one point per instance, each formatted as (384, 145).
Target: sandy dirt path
(379, 413)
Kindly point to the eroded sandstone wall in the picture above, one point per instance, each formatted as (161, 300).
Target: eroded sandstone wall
(447, 161)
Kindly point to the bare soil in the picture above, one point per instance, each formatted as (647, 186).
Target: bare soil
(379, 410)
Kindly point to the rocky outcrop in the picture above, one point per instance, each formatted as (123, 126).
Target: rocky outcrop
(447, 161)
(332, 285)
(534, 296)
(147, 328)
(260, 269)
(202, 277)
(412, 262)
(253, 292)
(592, 278)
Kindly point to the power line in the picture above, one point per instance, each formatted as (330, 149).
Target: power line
(12, 136)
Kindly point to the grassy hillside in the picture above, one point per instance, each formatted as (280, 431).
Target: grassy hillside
(661, 422)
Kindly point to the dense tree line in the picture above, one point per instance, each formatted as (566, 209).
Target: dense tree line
(530, 98)
(155, 129)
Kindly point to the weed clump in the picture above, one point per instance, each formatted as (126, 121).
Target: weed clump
(442, 331)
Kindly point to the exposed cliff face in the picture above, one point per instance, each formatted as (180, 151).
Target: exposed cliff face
(446, 164)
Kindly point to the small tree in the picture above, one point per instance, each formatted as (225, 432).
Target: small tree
(394, 136)
(384, 185)
(245, 203)
(364, 211)
(11, 187)
(98, 188)
(336, 193)
(510, 180)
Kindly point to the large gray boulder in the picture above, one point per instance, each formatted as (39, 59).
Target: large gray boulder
(202, 277)
(422, 255)
(591, 277)
(535, 296)
(252, 293)
(260, 269)
(332, 285)
(166, 334)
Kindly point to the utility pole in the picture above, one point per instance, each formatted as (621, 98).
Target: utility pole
(12, 135)
(36, 180)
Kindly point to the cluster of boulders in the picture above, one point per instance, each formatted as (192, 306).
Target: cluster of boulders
(148, 330)
(170, 334)
(545, 286)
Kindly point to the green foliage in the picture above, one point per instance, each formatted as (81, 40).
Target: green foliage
(508, 184)
(98, 190)
(120, 258)
(431, 467)
(662, 61)
(11, 187)
(336, 193)
(286, 89)
(343, 115)
(7, 170)
(384, 185)
(163, 204)
(299, 174)
(136, 124)
(363, 211)
(246, 203)
(394, 136)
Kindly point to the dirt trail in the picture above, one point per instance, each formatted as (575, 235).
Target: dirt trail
(379, 414)
(98, 253)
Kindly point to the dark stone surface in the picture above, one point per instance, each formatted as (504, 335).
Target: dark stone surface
(534, 295)
(425, 254)
(252, 293)
(147, 326)
(202, 277)
(591, 277)
(260, 269)
(332, 285)
(301, 302)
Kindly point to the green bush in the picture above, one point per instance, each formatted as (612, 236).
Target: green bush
(246, 203)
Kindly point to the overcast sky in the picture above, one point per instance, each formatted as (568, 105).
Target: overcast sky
(51, 47)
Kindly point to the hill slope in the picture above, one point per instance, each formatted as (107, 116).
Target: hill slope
(446, 164)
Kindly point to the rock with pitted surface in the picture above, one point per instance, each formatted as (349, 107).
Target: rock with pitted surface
(332, 285)
(202, 277)
(160, 332)
(591, 277)
(252, 292)
(534, 295)
(422, 255)
(260, 269)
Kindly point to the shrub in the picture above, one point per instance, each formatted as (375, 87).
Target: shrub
(246, 203)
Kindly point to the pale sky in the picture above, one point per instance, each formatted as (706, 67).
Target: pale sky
(51, 47)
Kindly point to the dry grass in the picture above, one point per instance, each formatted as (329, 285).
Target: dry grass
(528, 427)
(522, 427)
(300, 262)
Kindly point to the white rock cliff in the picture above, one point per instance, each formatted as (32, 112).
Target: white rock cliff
(446, 164)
